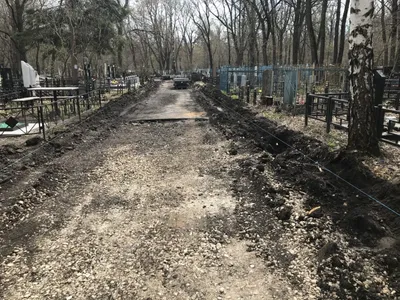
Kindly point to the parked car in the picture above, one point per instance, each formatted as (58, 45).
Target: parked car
(181, 83)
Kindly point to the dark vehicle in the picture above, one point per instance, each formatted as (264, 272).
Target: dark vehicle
(196, 77)
(166, 77)
(181, 83)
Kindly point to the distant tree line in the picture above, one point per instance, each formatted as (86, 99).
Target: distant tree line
(155, 35)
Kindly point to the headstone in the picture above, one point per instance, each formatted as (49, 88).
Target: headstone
(28, 74)
(267, 86)
(290, 88)
(379, 86)
(243, 80)
(6, 80)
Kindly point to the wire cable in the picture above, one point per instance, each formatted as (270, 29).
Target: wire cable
(310, 159)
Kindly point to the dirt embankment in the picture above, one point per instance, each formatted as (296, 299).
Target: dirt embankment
(356, 238)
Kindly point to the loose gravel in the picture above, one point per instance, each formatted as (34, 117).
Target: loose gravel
(176, 210)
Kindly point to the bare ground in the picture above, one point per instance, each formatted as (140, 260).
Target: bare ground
(137, 216)
(348, 239)
(118, 209)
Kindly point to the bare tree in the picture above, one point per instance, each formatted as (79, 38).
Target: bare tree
(16, 21)
(190, 34)
(384, 36)
(232, 15)
(202, 19)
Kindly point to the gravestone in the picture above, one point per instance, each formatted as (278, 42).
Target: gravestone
(290, 88)
(379, 86)
(267, 86)
(243, 81)
(6, 79)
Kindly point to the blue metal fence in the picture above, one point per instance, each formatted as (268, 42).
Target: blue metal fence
(289, 85)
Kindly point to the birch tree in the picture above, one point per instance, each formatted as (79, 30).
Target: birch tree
(362, 129)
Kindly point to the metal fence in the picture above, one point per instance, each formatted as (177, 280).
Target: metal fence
(18, 91)
(287, 85)
(38, 117)
(391, 94)
(333, 109)
(388, 122)
(232, 78)
(21, 120)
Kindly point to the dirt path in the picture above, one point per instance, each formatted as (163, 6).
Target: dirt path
(168, 104)
(195, 208)
(147, 213)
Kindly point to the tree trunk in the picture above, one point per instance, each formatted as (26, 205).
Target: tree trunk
(287, 59)
(74, 60)
(362, 125)
(302, 52)
(336, 37)
(281, 50)
(229, 47)
(274, 50)
(239, 55)
(252, 35)
(322, 32)
(210, 56)
(52, 63)
(393, 32)
(133, 52)
(120, 45)
(264, 46)
(330, 40)
(37, 60)
(384, 37)
(343, 32)
(397, 59)
(297, 32)
(311, 33)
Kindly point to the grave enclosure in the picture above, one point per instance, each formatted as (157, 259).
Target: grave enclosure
(287, 86)
(55, 101)
(319, 93)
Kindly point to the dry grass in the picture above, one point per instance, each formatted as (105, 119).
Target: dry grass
(385, 167)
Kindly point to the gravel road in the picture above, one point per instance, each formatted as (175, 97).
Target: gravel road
(124, 209)
(137, 215)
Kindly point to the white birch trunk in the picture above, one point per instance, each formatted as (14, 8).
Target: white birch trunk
(362, 127)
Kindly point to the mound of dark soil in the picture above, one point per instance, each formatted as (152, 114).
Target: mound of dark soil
(306, 165)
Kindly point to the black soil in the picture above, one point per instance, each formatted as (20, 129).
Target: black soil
(306, 165)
